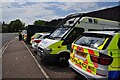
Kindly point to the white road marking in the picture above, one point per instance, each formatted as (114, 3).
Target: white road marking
(2, 50)
(40, 67)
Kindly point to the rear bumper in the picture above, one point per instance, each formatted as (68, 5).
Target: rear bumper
(87, 75)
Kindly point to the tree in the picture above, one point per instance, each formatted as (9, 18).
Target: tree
(4, 27)
(39, 22)
(15, 26)
(54, 22)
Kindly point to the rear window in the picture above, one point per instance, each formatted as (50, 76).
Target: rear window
(38, 36)
(96, 41)
(34, 35)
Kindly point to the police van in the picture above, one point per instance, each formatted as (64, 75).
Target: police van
(96, 55)
(56, 48)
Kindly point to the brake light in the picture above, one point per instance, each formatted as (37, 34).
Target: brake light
(94, 59)
(102, 59)
(72, 47)
(37, 41)
(25, 35)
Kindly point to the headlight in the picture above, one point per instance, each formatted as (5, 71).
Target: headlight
(47, 50)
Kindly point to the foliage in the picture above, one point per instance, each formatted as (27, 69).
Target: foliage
(15, 26)
(39, 22)
(4, 28)
(54, 22)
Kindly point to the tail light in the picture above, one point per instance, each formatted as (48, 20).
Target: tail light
(25, 35)
(102, 59)
(72, 47)
(32, 38)
(37, 41)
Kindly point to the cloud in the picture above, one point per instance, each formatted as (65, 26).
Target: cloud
(87, 0)
(84, 7)
(60, 0)
(28, 12)
(81, 6)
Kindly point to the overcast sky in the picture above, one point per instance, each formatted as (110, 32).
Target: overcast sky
(30, 11)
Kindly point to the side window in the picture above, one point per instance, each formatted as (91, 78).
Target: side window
(118, 43)
(45, 36)
(73, 35)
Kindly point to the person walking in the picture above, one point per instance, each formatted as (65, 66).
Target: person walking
(20, 36)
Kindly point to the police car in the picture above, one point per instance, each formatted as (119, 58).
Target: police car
(56, 48)
(38, 39)
(96, 55)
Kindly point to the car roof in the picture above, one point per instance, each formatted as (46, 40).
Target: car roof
(102, 32)
(44, 33)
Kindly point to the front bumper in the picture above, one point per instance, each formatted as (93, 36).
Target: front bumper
(87, 75)
(34, 45)
(46, 56)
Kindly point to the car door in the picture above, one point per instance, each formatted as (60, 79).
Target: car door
(114, 51)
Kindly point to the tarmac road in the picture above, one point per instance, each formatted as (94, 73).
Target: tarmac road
(5, 37)
(18, 63)
(55, 72)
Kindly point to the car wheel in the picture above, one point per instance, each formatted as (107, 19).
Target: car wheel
(35, 51)
(62, 60)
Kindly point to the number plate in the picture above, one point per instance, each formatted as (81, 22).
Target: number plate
(81, 54)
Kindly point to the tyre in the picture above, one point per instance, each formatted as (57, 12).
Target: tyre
(35, 51)
(62, 60)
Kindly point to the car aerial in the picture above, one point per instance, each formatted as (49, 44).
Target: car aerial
(38, 39)
(96, 55)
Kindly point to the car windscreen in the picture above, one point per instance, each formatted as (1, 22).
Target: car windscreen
(59, 33)
(96, 41)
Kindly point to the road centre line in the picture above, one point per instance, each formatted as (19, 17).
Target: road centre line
(40, 67)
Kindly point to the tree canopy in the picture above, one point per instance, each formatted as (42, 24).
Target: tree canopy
(17, 25)
(39, 23)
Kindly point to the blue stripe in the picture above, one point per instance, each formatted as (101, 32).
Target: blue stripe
(114, 75)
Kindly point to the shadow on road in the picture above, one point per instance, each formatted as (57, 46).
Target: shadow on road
(53, 70)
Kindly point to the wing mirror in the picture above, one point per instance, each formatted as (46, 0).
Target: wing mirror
(71, 22)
